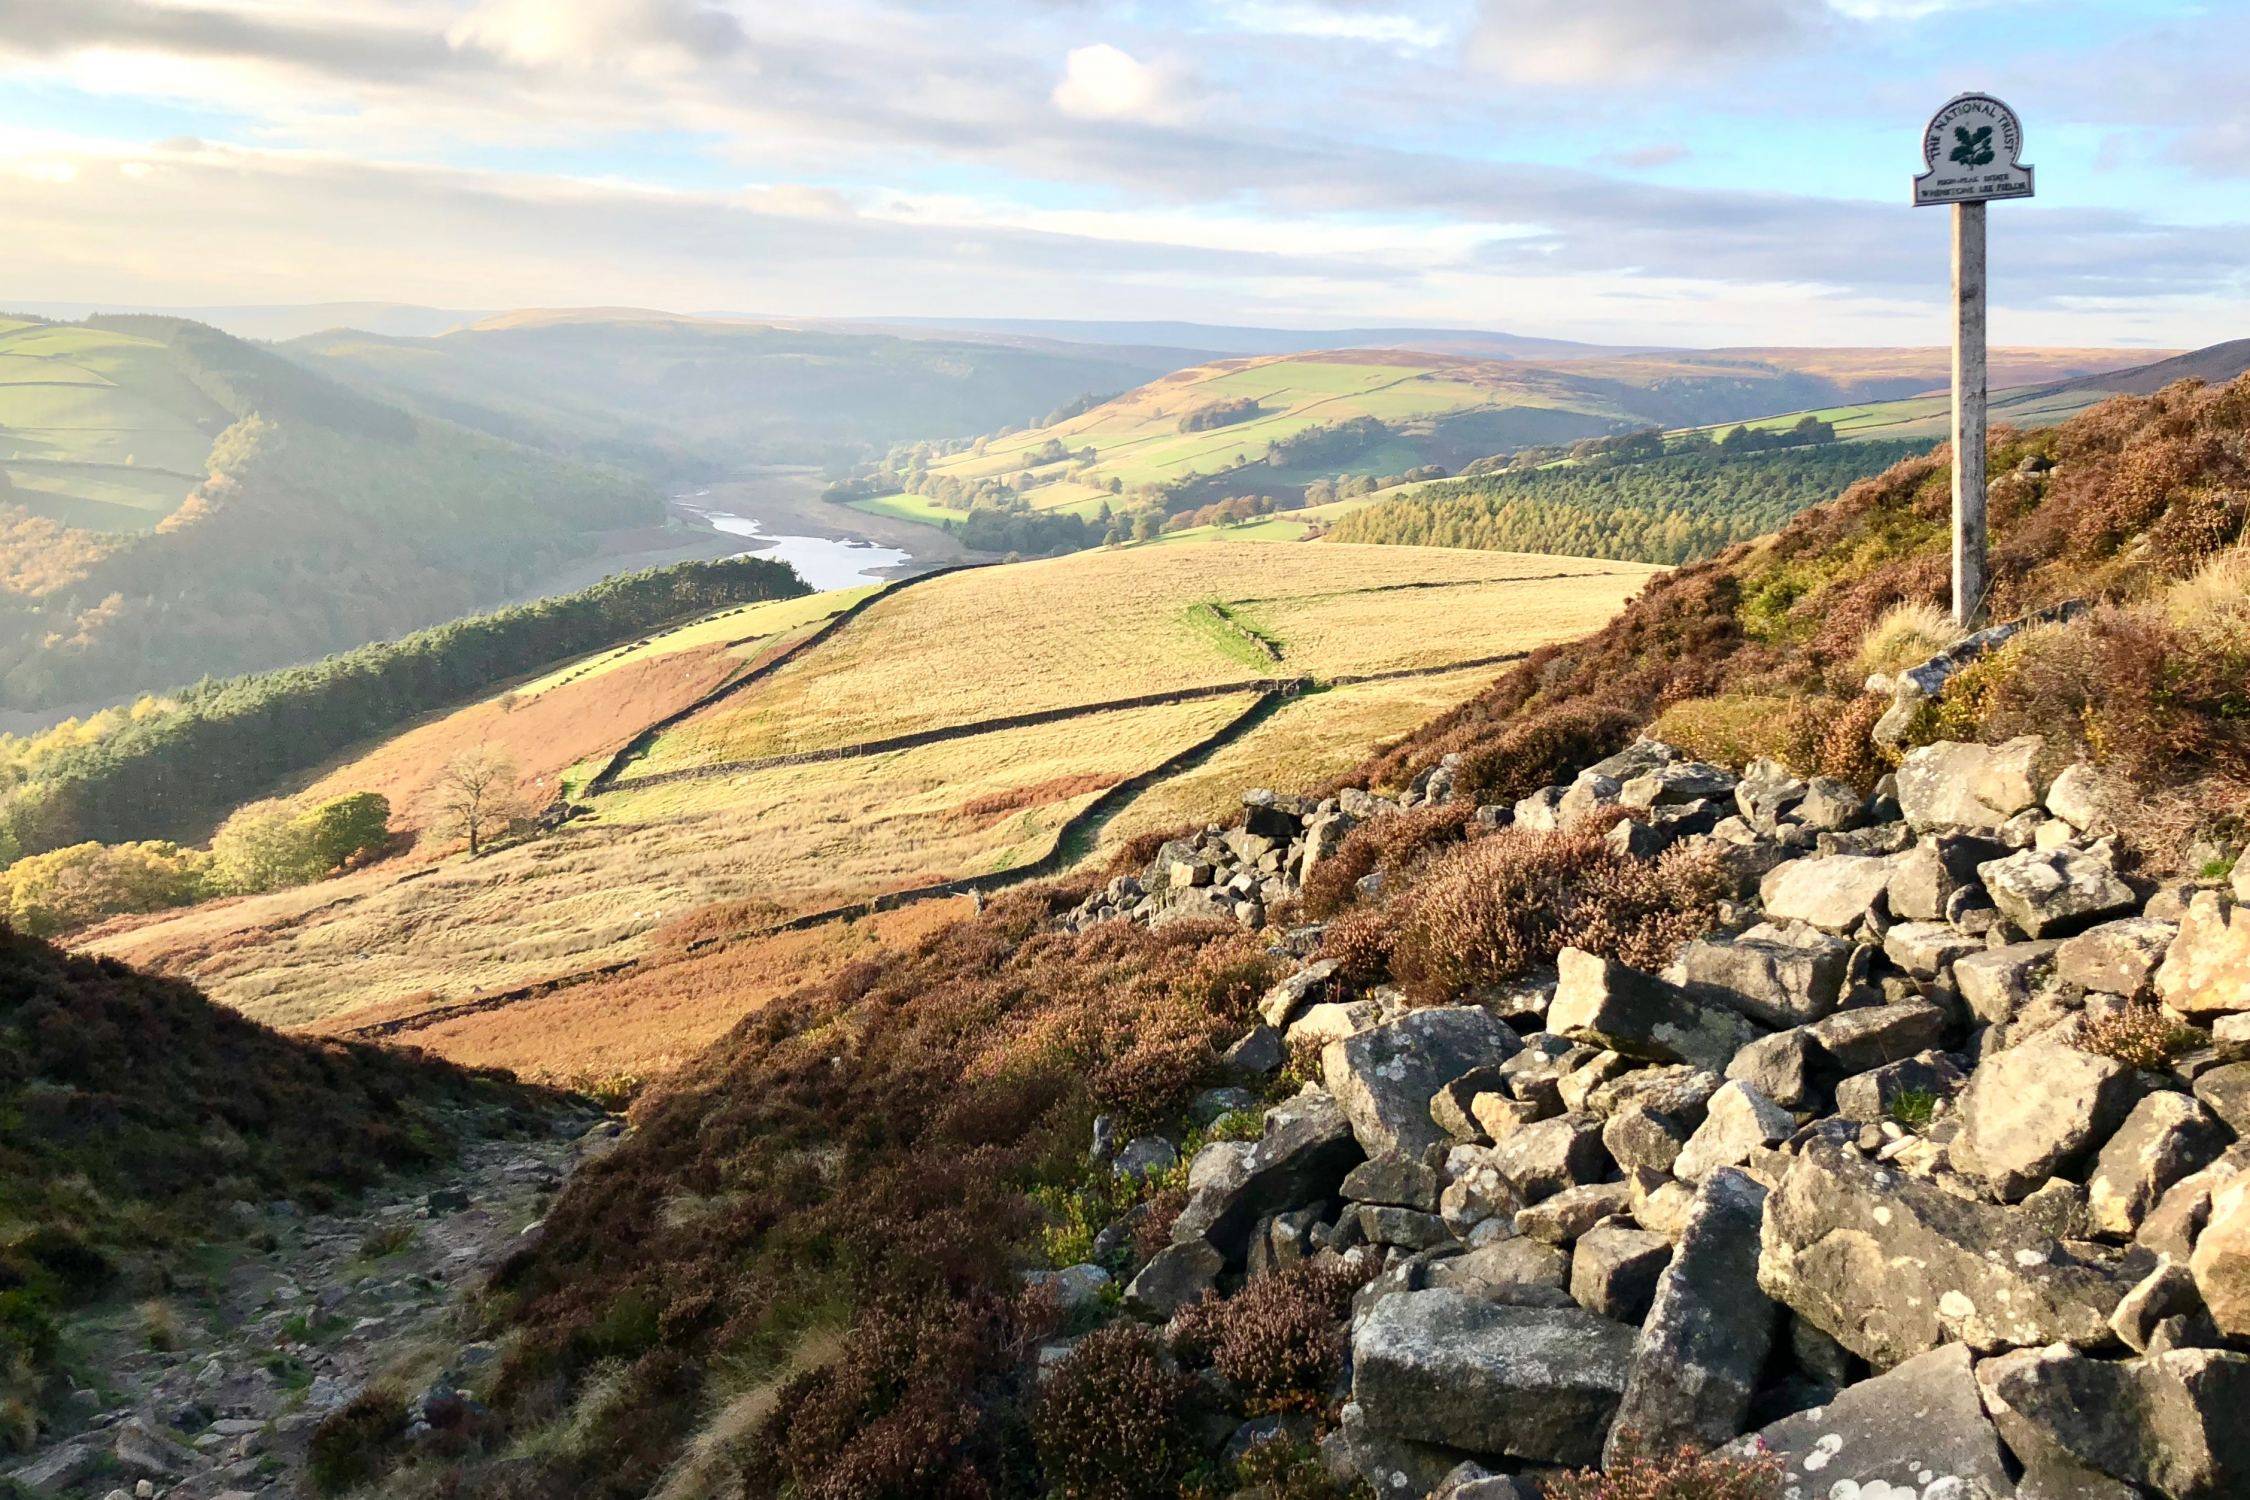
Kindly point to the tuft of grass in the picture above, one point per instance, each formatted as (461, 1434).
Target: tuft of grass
(160, 1324)
(355, 1444)
(1905, 635)
(1914, 1108)
(386, 1240)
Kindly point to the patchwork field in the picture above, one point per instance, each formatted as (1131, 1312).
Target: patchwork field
(708, 834)
(99, 429)
(552, 728)
(1098, 626)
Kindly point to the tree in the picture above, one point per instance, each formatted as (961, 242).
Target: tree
(477, 797)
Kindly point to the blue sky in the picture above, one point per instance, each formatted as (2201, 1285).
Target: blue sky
(1691, 171)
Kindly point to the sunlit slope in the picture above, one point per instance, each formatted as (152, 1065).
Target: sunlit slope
(100, 428)
(870, 761)
(1209, 427)
(1112, 624)
(552, 729)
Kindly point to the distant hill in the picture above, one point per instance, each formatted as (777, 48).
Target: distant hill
(177, 503)
(1277, 425)
(1215, 338)
(282, 320)
(687, 397)
(2030, 394)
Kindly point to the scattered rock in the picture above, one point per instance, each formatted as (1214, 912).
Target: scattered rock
(2115, 958)
(1303, 988)
(2054, 893)
(1603, 1001)
(2221, 1263)
(1954, 785)
(2173, 1422)
(1998, 982)
(1869, 1036)
(1834, 893)
(1177, 1275)
(2206, 972)
(1891, 1265)
(2033, 1111)
(1564, 1216)
(1547, 1156)
(1614, 1269)
(1497, 1270)
(2166, 1137)
(1739, 1121)
(1773, 983)
(1307, 1148)
(1868, 1097)
(1780, 1066)
(1696, 1363)
(1916, 1430)
(1443, 1367)
(1394, 1178)
(1384, 1078)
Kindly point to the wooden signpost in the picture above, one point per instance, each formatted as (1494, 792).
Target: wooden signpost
(1970, 155)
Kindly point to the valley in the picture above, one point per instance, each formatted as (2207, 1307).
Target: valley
(912, 747)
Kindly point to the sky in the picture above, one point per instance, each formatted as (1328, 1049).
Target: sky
(1698, 172)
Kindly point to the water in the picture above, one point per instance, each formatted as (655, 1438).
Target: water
(820, 561)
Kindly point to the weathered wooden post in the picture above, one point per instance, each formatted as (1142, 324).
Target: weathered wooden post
(1969, 157)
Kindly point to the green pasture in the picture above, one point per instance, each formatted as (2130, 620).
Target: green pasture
(100, 429)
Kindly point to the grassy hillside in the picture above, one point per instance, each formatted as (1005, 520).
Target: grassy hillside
(181, 504)
(709, 1310)
(174, 767)
(139, 1114)
(688, 397)
(1674, 509)
(913, 745)
(2028, 396)
(1285, 425)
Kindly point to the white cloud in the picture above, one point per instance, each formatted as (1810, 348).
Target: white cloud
(594, 35)
(1102, 82)
(1326, 20)
(1566, 42)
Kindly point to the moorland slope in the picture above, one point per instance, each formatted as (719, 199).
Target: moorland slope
(710, 1309)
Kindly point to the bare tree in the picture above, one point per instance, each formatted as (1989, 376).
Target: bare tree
(477, 796)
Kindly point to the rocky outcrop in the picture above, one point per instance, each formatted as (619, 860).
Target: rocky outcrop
(1481, 1377)
(1857, 1153)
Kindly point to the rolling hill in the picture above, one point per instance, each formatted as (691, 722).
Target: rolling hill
(829, 754)
(2027, 397)
(180, 503)
(1273, 425)
(689, 397)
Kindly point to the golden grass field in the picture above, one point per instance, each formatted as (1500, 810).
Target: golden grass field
(772, 843)
(1305, 742)
(1118, 623)
(552, 727)
(728, 850)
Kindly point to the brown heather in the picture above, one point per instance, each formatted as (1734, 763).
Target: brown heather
(1112, 1421)
(866, 1148)
(1510, 902)
(2139, 1036)
(1279, 1340)
(1388, 845)
(1683, 1474)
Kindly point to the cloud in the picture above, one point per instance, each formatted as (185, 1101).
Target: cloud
(1647, 158)
(597, 34)
(1563, 42)
(1365, 21)
(1102, 82)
